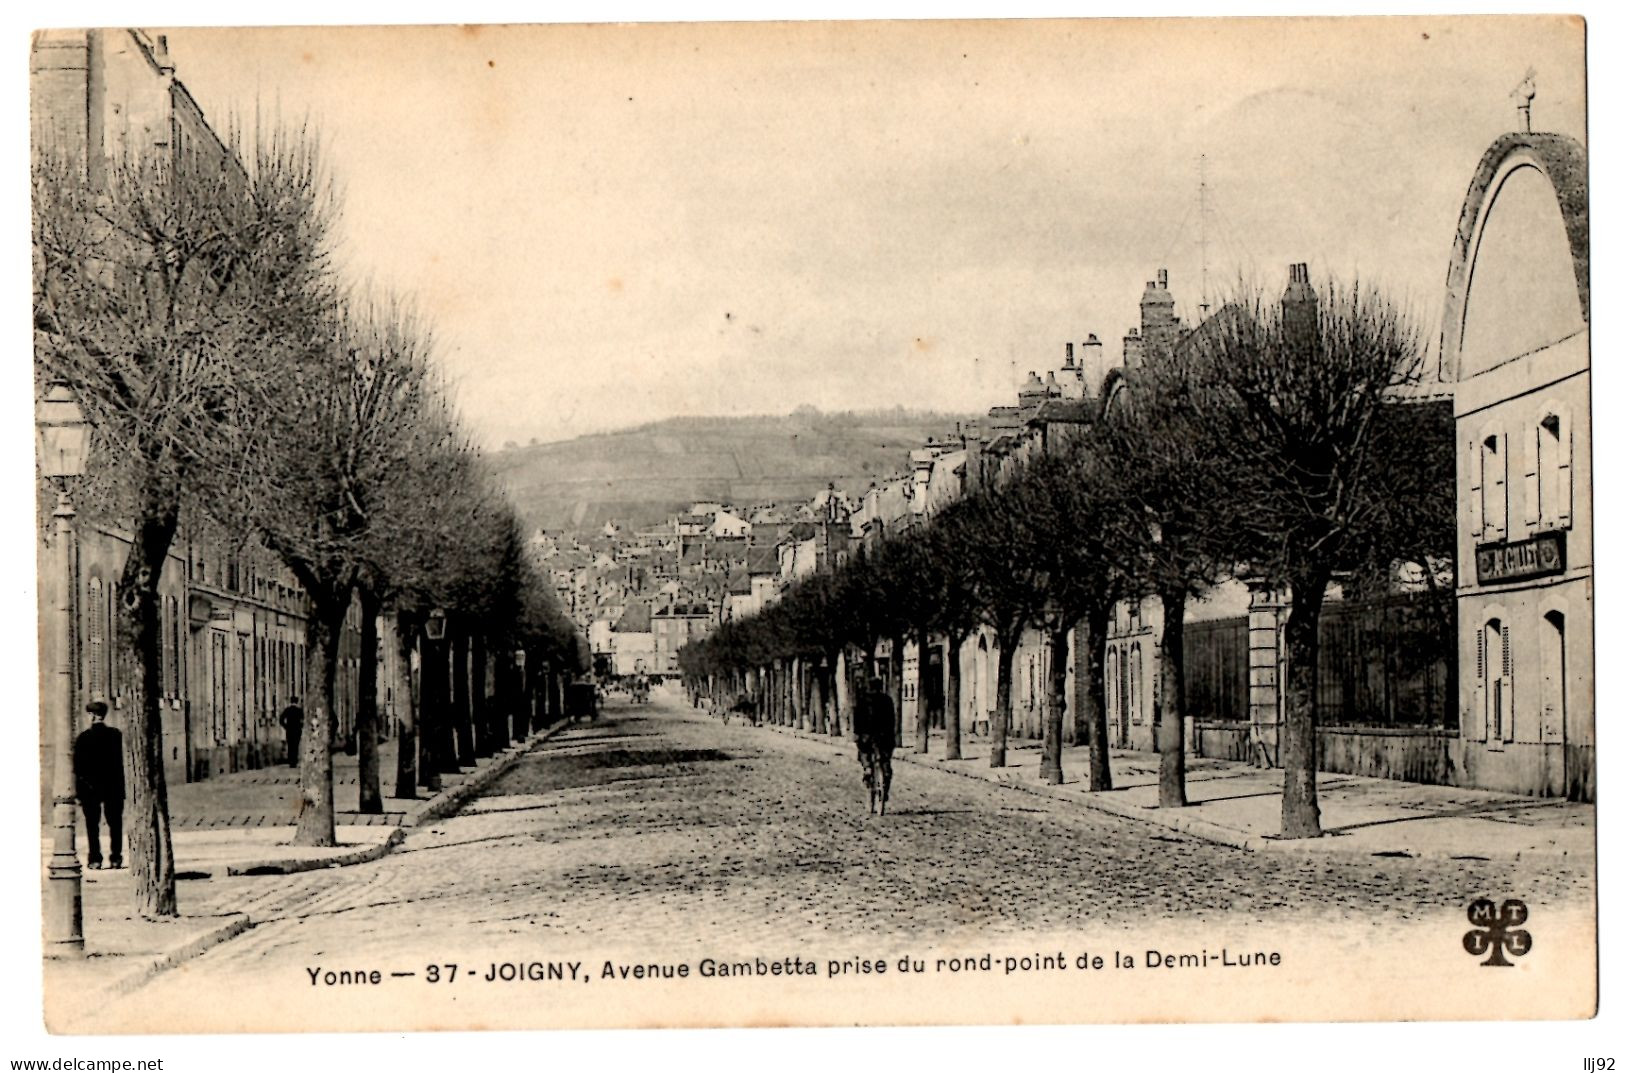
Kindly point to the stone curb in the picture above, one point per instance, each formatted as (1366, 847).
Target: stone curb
(1193, 826)
(138, 976)
(448, 801)
(288, 865)
(437, 807)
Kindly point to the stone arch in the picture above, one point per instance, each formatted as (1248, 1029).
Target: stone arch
(1111, 390)
(1562, 161)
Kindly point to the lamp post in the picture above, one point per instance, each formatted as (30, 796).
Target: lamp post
(62, 432)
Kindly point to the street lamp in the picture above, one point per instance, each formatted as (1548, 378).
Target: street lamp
(63, 434)
(434, 627)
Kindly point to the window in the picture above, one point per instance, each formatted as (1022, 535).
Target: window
(166, 651)
(1131, 686)
(177, 645)
(1493, 672)
(1553, 680)
(1554, 472)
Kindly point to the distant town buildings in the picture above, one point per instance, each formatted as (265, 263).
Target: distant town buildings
(1519, 714)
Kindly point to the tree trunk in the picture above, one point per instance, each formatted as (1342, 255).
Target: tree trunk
(951, 748)
(922, 711)
(479, 709)
(1300, 800)
(406, 739)
(462, 713)
(832, 679)
(1055, 708)
(431, 714)
(322, 634)
(1171, 671)
(1001, 717)
(523, 683)
(152, 857)
(820, 704)
(1092, 696)
(445, 714)
(895, 671)
(371, 795)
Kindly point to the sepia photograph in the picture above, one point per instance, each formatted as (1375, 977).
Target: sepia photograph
(851, 523)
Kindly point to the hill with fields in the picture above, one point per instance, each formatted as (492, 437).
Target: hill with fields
(641, 476)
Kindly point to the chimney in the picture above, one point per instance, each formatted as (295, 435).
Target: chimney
(1133, 349)
(1300, 308)
(1093, 367)
(1069, 355)
(1159, 327)
(973, 455)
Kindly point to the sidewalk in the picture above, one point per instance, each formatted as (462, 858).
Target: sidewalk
(239, 824)
(1238, 805)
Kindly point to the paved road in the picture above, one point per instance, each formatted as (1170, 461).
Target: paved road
(665, 831)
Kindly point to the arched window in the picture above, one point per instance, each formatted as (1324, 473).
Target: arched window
(1135, 705)
(1494, 682)
(1553, 679)
(1555, 472)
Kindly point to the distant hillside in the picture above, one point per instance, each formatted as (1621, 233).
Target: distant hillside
(641, 476)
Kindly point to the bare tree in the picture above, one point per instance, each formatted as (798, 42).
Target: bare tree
(1079, 574)
(162, 285)
(1003, 576)
(1175, 497)
(345, 414)
(1303, 387)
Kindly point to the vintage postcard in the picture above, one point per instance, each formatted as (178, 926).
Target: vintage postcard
(813, 524)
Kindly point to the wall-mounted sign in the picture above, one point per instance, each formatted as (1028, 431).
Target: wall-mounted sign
(1540, 555)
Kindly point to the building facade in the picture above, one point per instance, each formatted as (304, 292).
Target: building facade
(232, 648)
(1517, 342)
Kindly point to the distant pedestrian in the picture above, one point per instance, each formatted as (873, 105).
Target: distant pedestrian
(98, 780)
(874, 725)
(293, 725)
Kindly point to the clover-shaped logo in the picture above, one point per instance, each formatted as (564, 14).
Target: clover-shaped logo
(1497, 932)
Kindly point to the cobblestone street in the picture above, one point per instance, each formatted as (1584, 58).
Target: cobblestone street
(661, 831)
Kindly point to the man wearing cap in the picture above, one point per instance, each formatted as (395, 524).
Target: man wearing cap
(98, 774)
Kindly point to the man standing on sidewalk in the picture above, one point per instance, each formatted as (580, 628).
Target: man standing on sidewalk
(293, 725)
(98, 774)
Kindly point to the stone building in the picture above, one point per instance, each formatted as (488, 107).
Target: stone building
(232, 619)
(1517, 343)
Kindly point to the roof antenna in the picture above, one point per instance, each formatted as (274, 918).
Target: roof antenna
(1201, 223)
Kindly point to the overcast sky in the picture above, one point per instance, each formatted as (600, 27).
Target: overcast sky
(609, 225)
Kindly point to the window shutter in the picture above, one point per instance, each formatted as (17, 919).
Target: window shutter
(94, 642)
(1564, 494)
(1479, 716)
(1475, 488)
(1497, 484)
(1506, 674)
(1533, 512)
(115, 672)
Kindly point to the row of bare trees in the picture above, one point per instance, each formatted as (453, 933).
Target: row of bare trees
(236, 384)
(1285, 442)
